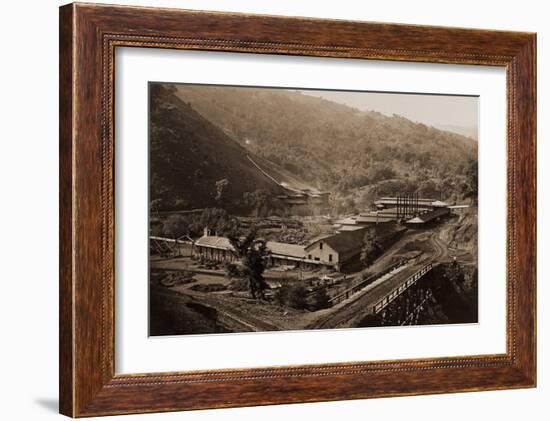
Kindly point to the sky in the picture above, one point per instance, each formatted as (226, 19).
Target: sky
(454, 113)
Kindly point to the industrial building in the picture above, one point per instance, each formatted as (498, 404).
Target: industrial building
(393, 215)
(411, 200)
(332, 251)
(219, 249)
(345, 247)
(409, 210)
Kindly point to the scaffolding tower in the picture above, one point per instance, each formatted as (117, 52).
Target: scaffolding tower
(407, 205)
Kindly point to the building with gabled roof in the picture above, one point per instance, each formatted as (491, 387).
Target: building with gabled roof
(220, 249)
(344, 247)
(329, 251)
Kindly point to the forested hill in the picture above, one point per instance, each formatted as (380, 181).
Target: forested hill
(335, 147)
(194, 164)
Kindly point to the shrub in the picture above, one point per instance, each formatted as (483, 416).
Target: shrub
(232, 270)
(294, 295)
(176, 226)
(238, 284)
(177, 278)
(208, 287)
(319, 299)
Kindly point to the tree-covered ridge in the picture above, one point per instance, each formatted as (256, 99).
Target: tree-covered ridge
(194, 164)
(354, 154)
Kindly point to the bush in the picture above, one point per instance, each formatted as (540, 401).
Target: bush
(382, 173)
(176, 226)
(232, 270)
(208, 287)
(319, 299)
(294, 295)
(177, 278)
(238, 284)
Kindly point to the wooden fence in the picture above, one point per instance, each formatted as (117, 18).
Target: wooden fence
(413, 279)
(363, 283)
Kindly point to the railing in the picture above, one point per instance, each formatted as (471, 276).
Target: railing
(382, 303)
(168, 246)
(364, 283)
(188, 240)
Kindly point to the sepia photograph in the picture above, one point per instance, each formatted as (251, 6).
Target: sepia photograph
(274, 209)
(280, 207)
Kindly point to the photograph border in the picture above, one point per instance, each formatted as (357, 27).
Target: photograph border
(89, 36)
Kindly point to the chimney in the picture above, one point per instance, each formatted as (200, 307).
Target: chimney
(205, 232)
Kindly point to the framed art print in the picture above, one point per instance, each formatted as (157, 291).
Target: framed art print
(260, 210)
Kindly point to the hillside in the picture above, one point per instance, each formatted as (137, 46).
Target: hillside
(189, 156)
(352, 153)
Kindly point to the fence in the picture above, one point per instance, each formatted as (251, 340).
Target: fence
(364, 283)
(169, 246)
(381, 304)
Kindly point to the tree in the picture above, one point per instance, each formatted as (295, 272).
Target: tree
(454, 273)
(258, 201)
(344, 205)
(156, 228)
(176, 226)
(371, 246)
(155, 205)
(253, 253)
(221, 186)
(428, 188)
(470, 188)
(382, 172)
(215, 219)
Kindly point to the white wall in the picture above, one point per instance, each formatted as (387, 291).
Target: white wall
(28, 170)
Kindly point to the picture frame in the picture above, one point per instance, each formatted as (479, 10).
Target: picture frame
(89, 37)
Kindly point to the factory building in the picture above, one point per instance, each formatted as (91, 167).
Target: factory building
(332, 251)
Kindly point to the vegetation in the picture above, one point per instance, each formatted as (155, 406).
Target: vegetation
(319, 299)
(177, 225)
(292, 295)
(221, 185)
(232, 270)
(201, 138)
(208, 287)
(177, 278)
(260, 203)
(253, 253)
(292, 236)
(193, 163)
(470, 187)
(335, 147)
(296, 295)
(371, 247)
